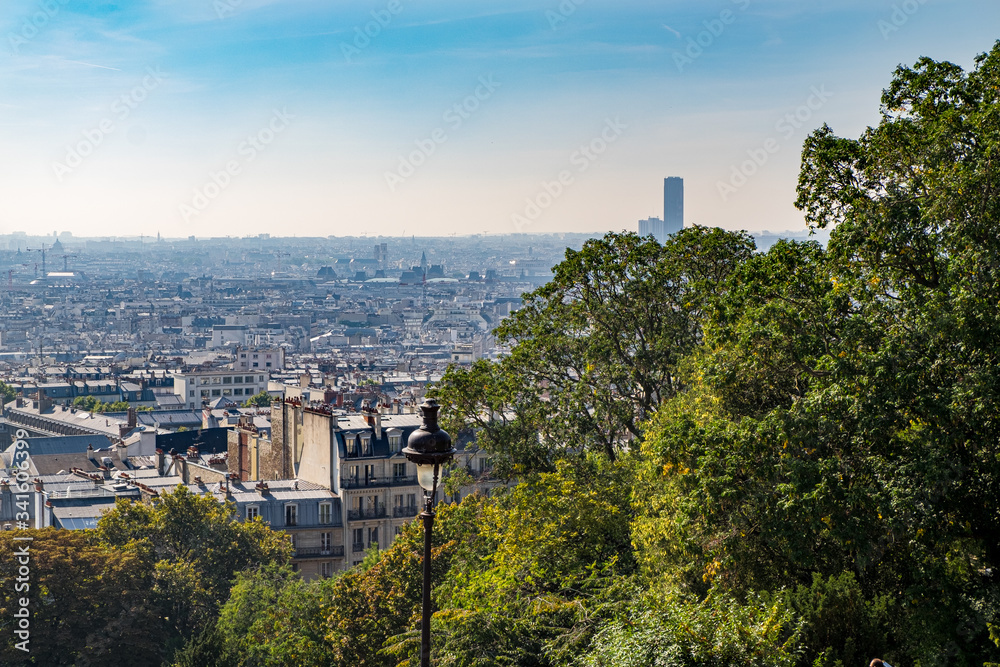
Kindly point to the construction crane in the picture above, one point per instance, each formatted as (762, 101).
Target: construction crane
(41, 250)
(65, 257)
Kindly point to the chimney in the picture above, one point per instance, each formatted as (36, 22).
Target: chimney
(397, 407)
(193, 452)
(159, 462)
(133, 418)
(376, 417)
(183, 467)
(44, 402)
(90, 452)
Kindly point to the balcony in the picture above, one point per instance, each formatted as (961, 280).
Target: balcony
(358, 546)
(368, 513)
(404, 511)
(374, 481)
(319, 552)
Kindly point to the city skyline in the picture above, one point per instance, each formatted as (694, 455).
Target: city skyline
(240, 117)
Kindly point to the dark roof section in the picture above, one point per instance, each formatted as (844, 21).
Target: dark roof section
(66, 444)
(207, 440)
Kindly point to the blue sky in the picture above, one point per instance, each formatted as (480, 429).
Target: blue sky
(235, 117)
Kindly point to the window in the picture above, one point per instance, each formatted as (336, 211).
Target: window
(204, 393)
(325, 542)
(373, 537)
(217, 380)
(394, 442)
(227, 392)
(255, 356)
(260, 378)
(398, 470)
(291, 514)
(238, 391)
(399, 531)
(358, 544)
(326, 569)
(255, 364)
(216, 392)
(411, 500)
(355, 471)
(227, 380)
(351, 450)
(243, 356)
(369, 473)
(268, 364)
(203, 381)
(291, 537)
(366, 445)
(191, 393)
(325, 513)
(252, 512)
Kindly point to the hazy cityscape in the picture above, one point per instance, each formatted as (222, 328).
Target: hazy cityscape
(570, 333)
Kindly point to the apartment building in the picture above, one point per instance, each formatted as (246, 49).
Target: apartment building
(203, 385)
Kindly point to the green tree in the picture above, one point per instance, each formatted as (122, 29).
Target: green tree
(7, 393)
(596, 350)
(261, 399)
(196, 545)
(839, 424)
(89, 403)
(86, 601)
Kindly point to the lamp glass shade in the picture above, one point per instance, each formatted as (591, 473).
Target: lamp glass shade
(426, 474)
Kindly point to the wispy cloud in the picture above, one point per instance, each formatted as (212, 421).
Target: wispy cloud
(80, 62)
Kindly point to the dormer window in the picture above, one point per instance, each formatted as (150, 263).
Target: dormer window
(395, 440)
(366, 445)
(350, 443)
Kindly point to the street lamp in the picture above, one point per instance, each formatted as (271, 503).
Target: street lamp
(429, 448)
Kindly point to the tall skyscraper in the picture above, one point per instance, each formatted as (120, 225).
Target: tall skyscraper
(673, 204)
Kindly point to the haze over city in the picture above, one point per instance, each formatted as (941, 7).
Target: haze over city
(232, 117)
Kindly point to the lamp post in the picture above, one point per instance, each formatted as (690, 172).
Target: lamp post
(429, 448)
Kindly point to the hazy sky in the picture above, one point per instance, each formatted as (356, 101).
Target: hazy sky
(317, 117)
